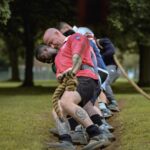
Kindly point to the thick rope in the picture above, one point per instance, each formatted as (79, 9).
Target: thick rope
(130, 81)
(69, 83)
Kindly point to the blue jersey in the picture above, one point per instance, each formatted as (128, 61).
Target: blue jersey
(100, 62)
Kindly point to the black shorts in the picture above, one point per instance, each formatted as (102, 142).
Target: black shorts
(97, 92)
(86, 88)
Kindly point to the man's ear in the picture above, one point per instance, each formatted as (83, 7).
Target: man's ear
(57, 33)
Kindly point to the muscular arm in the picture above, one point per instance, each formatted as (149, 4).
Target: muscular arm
(77, 61)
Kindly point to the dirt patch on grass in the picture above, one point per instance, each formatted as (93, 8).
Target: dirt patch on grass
(118, 127)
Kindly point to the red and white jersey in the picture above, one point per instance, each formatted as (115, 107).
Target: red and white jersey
(75, 44)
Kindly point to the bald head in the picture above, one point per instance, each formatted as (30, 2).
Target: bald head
(49, 32)
(53, 38)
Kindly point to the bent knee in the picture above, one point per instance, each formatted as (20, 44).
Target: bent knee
(71, 97)
(63, 103)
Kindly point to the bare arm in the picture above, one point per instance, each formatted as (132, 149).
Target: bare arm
(77, 61)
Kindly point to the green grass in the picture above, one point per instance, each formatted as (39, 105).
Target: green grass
(135, 123)
(25, 116)
(24, 122)
(44, 83)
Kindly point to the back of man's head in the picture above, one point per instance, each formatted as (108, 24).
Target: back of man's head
(63, 27)
(60, 25)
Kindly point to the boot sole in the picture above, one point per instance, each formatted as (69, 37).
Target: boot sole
(96, 146)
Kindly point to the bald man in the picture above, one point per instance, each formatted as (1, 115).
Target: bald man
(73, 52)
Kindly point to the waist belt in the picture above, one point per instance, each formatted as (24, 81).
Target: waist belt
(84, 66)
(95, 71)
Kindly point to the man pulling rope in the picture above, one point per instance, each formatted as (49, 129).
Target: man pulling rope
(74, 49)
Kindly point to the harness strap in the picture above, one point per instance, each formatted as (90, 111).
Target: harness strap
(85, 66)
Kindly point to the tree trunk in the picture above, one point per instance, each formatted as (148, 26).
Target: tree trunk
(93, 12)
(13, 57)
(29, 45)
(144, 76)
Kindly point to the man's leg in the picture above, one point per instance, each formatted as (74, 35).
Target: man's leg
(112, 105)
(63, 130)
(103, 98)
(97, 119)
(114, 73)
(77, 132)
(69, 103)
(109, 92)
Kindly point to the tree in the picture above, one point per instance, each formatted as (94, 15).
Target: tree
(12, 49)
(30, 19)
(4, 11)
(8, 33)
(132, 19)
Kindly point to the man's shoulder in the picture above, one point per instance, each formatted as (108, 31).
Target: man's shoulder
(76, 36)
(107, 43)
(105, 40)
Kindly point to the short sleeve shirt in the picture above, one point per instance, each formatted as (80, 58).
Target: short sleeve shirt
(75, 44)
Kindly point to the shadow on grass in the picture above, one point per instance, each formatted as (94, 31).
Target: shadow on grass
(36, 90)
(118, 88)
(126, 88)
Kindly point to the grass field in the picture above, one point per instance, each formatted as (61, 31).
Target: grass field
(25, 117)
